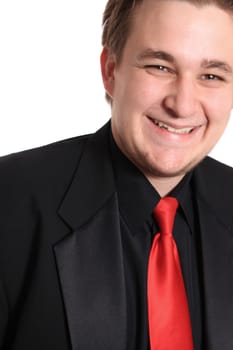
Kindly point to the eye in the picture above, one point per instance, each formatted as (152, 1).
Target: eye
(211, 77)
(158, 67)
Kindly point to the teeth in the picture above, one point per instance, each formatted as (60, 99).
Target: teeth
(171, 129)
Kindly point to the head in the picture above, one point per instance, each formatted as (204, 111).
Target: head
(167, 68)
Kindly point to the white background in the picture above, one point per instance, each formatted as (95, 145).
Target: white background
(50, 82)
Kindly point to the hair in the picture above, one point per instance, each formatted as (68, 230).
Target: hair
(117, 19)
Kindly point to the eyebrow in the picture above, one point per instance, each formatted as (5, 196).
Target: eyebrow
(165, 56)
(162, 55)
(217, 64)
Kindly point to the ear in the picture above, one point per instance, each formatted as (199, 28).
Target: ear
(108, 64)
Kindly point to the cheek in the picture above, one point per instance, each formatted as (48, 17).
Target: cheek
(138, 88)
(223, 102)
(218, 109)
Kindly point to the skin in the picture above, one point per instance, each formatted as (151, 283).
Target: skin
(176, 70)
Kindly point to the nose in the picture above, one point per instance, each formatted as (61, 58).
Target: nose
(181, 101)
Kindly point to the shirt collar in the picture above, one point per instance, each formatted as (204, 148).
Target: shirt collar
(184, 194)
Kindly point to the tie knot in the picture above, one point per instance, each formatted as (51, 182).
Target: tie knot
(165, 212)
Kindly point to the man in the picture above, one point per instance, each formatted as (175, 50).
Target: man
(76, 216)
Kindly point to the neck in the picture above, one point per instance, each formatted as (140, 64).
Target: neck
(164, 185)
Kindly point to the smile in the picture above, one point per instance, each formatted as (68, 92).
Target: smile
(181, 131)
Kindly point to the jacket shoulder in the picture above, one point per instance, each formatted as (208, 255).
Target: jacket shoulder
(214, 184)
(216, 168)
(45, 161)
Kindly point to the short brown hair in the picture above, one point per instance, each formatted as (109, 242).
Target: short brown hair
(118, 13)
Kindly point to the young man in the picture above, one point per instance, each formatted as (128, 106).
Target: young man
(76, 217)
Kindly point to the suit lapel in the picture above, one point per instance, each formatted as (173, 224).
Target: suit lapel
(216, 244)
(89, 260)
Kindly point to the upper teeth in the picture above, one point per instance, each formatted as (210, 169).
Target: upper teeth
(171, 129)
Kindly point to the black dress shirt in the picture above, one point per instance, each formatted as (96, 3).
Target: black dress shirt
(137, 198)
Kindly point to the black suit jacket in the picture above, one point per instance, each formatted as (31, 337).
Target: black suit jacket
(61, 268)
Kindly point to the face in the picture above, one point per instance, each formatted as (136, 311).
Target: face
(172, 91)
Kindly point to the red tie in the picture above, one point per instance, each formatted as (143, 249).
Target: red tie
(169, 320)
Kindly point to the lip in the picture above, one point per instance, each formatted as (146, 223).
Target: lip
(166, 138)
(173, 129)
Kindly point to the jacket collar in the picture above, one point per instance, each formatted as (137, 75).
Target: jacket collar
(89, 260)
(93, 182)
(213, 187)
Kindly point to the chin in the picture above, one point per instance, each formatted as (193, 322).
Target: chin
(168, 169)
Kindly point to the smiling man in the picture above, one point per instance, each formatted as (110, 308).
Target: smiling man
(172, 89)
(123, 240)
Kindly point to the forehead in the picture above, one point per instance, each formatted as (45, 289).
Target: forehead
(183, 14)
(183, 29)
